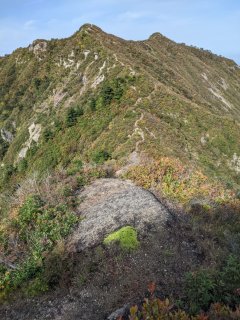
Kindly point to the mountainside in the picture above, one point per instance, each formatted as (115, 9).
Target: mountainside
(67, 99)
(96, 107)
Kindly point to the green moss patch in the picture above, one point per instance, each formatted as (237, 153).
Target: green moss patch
(126, 237)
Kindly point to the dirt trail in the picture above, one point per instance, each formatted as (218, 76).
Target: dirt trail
(138, 131)
(134, 158)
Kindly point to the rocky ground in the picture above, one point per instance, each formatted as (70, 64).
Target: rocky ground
(109, 204)
(97, 280)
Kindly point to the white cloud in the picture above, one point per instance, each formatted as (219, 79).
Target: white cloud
(132, 15)
(29, 24)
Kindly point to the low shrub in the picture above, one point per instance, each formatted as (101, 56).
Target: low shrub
(163, 309)
(39, 228)
(100, 157)
(176, 181)
(205, 286)
(72, 115)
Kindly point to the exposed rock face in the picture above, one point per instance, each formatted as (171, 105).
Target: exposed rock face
(109, 204)
(6, 135)
(234, 164)
(38, 46)
(34, 135)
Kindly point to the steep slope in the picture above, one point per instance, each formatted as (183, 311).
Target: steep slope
(94, 106)
(65, 100)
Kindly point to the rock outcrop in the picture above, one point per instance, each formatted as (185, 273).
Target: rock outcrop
(109, 204)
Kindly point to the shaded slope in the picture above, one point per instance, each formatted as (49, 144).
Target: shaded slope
(96, 279)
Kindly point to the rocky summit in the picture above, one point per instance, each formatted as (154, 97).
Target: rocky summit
(119, 179)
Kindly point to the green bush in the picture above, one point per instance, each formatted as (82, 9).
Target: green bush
(81, 181)
(206, 287)
(33, 149)
(67, 191)
(72, 115)
(48, 134)
(35, 287)
(3, 147)
(119, 85)
(107, 94)
(93, 104)
(200, 288)
(75, 167)
(228, 282)
(6, 173)
(101, 156)
(40, 228)
(155, 309)
(41, 84)
(113, 90)
(22, 165)
(28, 213)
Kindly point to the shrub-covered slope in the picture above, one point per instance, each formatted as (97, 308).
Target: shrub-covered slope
(161, 114)
(67, 100)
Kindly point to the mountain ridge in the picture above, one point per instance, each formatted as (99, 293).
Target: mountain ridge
(158, 65)
(99, 29)
(79, 118)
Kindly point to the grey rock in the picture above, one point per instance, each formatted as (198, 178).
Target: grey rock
(109, 204)
(6, 135)
(118, 313)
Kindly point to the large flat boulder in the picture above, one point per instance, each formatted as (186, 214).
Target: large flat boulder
(109, 204)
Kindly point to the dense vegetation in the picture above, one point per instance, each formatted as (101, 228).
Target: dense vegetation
(156, 308)
(32, 236)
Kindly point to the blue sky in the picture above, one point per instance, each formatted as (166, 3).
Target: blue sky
(211, 24)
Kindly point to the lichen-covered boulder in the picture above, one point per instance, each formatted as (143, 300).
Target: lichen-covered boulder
(110, 204)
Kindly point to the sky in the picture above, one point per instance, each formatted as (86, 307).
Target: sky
(208, 24)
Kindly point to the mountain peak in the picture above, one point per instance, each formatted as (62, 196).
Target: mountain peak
(90, 27)
(159, 37)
